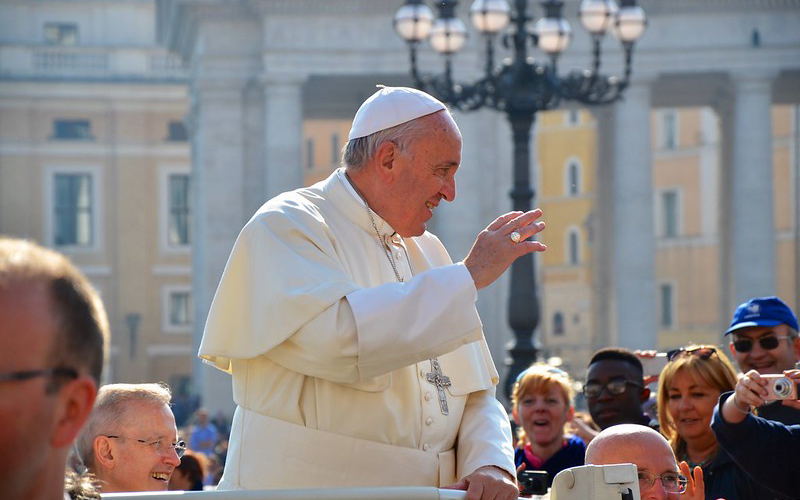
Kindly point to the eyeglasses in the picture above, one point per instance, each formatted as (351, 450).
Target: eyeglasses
(767, 343)
(672, 482)
(159, 445)
(615, 387)
(29, 374)
(702, 352)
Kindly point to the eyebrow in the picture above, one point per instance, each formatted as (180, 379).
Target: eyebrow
(446, 164)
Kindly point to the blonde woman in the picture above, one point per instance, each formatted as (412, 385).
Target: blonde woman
(688, 390)
(542, 405)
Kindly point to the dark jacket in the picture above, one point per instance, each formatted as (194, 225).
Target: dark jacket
(570, 455)
(769, 451)
(779, 412)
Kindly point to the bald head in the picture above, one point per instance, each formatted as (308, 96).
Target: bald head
(640, 445)
(627, 443)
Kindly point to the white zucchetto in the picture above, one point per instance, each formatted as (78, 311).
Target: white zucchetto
(391, 106)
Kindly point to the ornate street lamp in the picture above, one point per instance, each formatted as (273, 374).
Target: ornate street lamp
(521, 86)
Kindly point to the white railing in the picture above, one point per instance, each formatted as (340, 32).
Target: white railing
(387, 493)
(38, 61)
(390, 493)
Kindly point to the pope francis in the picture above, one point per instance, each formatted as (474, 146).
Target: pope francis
(354, 343)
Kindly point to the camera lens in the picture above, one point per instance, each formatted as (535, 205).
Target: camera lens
(782, 387)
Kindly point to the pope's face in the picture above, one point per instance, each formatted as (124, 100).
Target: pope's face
(424, 177)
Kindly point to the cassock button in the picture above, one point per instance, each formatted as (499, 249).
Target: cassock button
(422, 373)
(427, 396)
(428, 421)
(425, 447)
(399, 255)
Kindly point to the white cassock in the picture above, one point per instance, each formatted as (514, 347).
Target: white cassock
(330, 354)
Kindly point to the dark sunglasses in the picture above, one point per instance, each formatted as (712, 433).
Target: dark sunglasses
(702, 352)
(767, 343)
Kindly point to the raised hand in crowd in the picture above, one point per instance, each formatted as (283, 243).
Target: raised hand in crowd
(751, 391)
(695, 487)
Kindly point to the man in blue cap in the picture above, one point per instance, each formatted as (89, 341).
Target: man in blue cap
(764, 337)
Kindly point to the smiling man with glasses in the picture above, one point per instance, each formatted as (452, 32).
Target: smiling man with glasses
(130, 442)
(763, 336)
(53, 333)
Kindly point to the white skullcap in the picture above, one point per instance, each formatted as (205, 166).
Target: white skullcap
(391, 106)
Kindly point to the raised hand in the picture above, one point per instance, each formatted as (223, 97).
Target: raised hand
(495, 248)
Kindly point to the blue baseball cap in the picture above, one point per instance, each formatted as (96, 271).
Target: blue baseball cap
(762, 311)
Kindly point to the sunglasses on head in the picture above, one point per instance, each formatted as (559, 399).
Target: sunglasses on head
(702, 352)
(767, 343)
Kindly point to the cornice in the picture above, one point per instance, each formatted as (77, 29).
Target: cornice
(677, 7)
(359, 8)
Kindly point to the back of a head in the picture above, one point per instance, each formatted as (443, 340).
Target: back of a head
(193, 469)
(110, 412)
(79, 312)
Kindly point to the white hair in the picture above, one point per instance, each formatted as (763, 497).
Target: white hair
(109, 412)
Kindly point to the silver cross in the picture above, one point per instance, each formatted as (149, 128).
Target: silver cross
(437, 378)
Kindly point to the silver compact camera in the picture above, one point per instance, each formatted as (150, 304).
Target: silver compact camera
(780, 387)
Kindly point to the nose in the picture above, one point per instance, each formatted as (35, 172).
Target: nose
(605, 395)
(757, 351)
(448, 190)
(171, 457)
(684, 403)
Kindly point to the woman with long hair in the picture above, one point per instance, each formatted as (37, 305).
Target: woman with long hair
(688, 390)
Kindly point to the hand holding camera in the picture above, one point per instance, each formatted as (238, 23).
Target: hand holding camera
(754, 389)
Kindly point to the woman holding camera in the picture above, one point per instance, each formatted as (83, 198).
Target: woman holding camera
(766, 449)
(688, 390)
(542, 405)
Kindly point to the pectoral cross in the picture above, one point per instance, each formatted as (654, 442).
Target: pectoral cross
(437, 378)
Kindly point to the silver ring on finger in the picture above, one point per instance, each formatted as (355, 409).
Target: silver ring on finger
(515, 236)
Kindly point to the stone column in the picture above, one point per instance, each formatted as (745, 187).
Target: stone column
(602, 227)
(283, 119)
(750, 201)
(634, 240)
(217, 182)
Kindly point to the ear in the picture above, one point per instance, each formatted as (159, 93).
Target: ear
(515, 416)
(733, 351)
(796, 347)
(385, 157)
(75, 403)
(571, 415)
(645, 394)
(103, 454)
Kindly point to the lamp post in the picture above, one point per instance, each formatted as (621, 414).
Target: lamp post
(520, 87)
